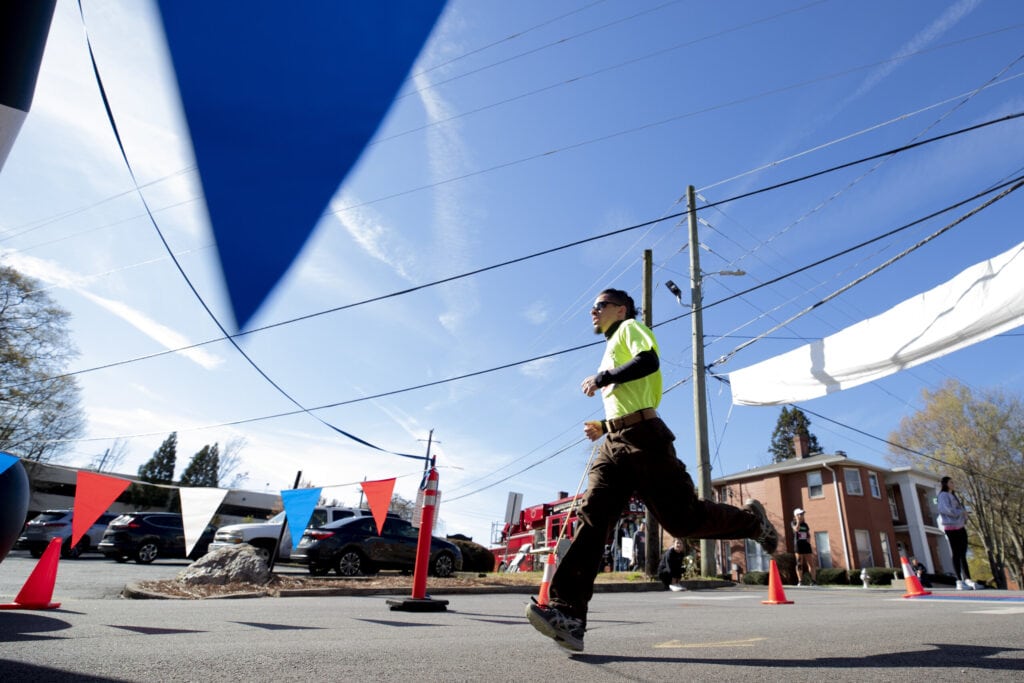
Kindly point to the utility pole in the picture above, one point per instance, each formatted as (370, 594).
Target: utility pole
(284, 520)
(652, 543)
(427, 464)
(700, 409)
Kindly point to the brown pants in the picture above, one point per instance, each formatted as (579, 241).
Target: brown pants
(641, 459)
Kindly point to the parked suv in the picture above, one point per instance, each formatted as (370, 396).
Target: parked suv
(264, 535)
(57, 523)
(145, 536)
(352, 547)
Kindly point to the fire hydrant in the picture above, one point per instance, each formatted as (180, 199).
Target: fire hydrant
(864, 576)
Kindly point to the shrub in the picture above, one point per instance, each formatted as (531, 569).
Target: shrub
(832, 576)
(880, 576)
(475, 557)
(755, 578)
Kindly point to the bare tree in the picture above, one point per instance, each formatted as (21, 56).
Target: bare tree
(979, 439)
(230, 460)
(112, 458)
(39, 406)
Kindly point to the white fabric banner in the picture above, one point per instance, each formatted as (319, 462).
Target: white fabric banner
(982, 301)
(198, 506)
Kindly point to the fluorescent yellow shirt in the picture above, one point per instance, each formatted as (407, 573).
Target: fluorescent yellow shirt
(629, 339)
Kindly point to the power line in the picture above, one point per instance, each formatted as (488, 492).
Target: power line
(650, 125)
(505, 366)
(560, 41)
(510, 37)
(604, 235)
(875, 270)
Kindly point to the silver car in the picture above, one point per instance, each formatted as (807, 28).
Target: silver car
(57, 524)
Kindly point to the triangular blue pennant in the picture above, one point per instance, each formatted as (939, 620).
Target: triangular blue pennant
(6, 460)
(298, 508)
(280, 100)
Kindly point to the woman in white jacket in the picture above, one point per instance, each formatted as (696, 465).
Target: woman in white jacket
(953, 519)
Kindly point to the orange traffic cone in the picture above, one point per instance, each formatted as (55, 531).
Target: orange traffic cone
(38, 590)
(914, 588)
(545, 582)
(776, 596)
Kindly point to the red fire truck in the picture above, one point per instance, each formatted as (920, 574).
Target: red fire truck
(523, 545)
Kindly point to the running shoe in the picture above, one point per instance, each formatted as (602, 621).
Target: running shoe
(565, 630)
(769, 537)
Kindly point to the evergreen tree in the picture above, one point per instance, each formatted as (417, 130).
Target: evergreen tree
(158, 470)
(790, 424)
(202, 469)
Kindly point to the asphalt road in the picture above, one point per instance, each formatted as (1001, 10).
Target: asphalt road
(848, 634)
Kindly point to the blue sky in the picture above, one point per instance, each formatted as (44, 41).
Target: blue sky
(523, 127)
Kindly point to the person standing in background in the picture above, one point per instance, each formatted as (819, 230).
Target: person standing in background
(640, 547)
(953, 520)
(802, 548)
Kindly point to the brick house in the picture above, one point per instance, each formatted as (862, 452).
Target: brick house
(860, 523)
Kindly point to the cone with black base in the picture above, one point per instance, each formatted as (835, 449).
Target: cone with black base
(38, 590)
(420, 601)
(776, 596)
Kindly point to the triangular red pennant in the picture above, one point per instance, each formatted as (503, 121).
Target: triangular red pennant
(93, 495)
(378, 497)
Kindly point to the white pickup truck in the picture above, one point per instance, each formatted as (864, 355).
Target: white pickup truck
(264, 535)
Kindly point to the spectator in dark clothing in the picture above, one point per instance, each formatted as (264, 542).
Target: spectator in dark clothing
(921, 571)
(670, 569)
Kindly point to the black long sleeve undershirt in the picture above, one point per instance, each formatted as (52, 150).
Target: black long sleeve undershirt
(640, 365)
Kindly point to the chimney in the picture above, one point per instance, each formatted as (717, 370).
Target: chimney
(801, 445)
(562, 494)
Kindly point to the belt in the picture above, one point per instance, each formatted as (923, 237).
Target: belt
(617, 423)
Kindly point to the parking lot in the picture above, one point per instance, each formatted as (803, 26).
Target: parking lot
(92, 576)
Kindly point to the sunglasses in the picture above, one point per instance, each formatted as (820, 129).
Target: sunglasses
(600, 305)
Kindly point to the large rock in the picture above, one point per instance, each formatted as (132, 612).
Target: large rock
(237, 564)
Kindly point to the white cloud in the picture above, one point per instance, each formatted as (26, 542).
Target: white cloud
(448, 158)
(159, 333)
(370, 232)
(537, 314)
(538, 369)
(56, 275)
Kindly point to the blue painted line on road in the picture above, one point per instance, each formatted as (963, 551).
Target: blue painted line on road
(972, 598)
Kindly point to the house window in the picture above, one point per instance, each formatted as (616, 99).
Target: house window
(862, 539)
(886, 549)
(814, 486)
(757, 558)
(894, 509)
(876, 492)
(853, 486)
(824, 550)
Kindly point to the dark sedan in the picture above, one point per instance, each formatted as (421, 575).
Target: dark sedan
(352, 547)
(145, 536)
